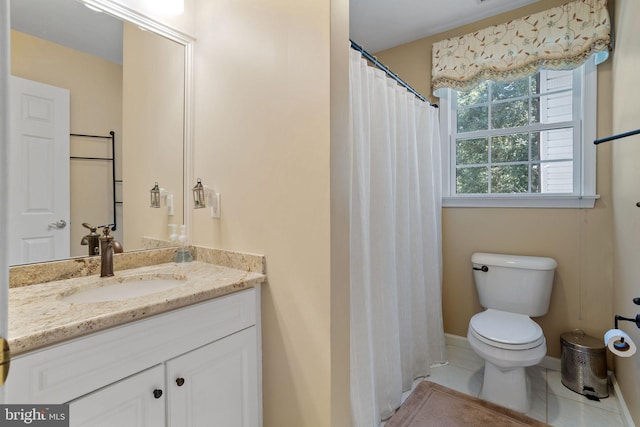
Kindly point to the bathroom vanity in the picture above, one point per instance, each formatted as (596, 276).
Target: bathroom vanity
(188, 355)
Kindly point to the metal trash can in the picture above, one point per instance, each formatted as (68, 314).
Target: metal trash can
(584, 364)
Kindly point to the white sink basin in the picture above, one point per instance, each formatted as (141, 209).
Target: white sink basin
(119, 288)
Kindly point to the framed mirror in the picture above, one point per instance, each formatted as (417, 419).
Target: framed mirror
(123, 73)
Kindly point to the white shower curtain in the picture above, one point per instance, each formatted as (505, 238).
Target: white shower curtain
(396, 313)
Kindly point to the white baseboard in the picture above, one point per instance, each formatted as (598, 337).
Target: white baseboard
(624, 410)
(554, 363)
(457, 341)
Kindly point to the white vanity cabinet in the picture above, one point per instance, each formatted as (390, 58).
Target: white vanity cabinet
(195, 366)
(214, 385)
(137, 401)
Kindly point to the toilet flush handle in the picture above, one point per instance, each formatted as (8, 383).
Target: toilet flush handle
(483, 268)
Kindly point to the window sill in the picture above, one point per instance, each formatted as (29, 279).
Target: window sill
(521, 201)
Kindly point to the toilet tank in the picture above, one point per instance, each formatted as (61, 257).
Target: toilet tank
(517, 284)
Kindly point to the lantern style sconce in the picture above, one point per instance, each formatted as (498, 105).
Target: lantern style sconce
(199, 199)
(157, 194)
(203, 196)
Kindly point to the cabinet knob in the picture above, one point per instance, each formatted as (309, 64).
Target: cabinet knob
(157, 393)
(179, 381)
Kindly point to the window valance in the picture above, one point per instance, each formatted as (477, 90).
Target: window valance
(559, 38)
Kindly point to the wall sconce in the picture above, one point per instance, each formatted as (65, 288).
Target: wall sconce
(199, 200)
(203, 196)
(157, 194)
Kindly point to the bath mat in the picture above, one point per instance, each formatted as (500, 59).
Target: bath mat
(434, 405)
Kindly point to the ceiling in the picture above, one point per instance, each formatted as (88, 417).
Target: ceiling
(70, 23)
(381, 24)
(374, 24)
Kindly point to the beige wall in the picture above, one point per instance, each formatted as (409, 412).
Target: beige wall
(263, 141)
(340, 196)
(152, 132)
(95, 87)
(625, 179)
(580, 240)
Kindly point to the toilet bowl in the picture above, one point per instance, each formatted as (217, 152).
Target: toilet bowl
(512, 289)
(508, 343)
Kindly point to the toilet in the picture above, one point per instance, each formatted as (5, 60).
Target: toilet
(512, 289)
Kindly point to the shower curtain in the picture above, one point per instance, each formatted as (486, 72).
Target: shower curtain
(396, 313)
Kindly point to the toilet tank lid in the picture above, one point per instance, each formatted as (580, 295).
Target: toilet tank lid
(514, 261)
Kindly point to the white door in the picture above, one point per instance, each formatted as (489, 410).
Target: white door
(39, 207)
(216, 385)
(138, 401)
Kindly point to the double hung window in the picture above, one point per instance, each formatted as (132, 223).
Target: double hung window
(527, 142)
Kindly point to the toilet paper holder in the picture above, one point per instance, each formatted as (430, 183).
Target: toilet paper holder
(621, 345)
(635, 320)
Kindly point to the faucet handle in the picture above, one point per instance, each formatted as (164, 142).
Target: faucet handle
(89, 226)
(106, 236)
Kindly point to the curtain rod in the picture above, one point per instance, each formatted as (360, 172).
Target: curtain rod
(389, 72)
(618, 136)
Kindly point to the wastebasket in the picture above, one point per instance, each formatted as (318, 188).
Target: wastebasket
(584, 364)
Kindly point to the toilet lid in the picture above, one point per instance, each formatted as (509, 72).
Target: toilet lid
(506, 330)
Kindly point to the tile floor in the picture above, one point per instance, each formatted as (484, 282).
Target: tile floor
(552, 402)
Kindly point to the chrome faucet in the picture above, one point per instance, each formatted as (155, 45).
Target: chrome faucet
(107, 247)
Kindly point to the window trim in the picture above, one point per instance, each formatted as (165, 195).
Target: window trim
(586, 159)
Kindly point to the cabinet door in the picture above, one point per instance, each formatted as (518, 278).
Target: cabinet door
(216, 385)
(137, 401)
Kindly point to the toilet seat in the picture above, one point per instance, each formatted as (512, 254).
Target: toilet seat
(506, 330)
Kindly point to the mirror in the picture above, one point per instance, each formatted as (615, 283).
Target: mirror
(124, 73)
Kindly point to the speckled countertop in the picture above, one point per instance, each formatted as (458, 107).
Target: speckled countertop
(39, 315)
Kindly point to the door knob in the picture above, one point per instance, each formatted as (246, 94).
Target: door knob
(157, 393)
(58, 224)
(179, 381)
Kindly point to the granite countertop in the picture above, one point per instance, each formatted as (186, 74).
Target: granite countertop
(40, 316)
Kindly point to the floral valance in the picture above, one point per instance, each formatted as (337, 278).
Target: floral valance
(559, 38)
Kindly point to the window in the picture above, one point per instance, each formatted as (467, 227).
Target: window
(525, 143)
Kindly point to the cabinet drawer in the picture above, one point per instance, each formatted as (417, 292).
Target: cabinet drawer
(68, 370)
